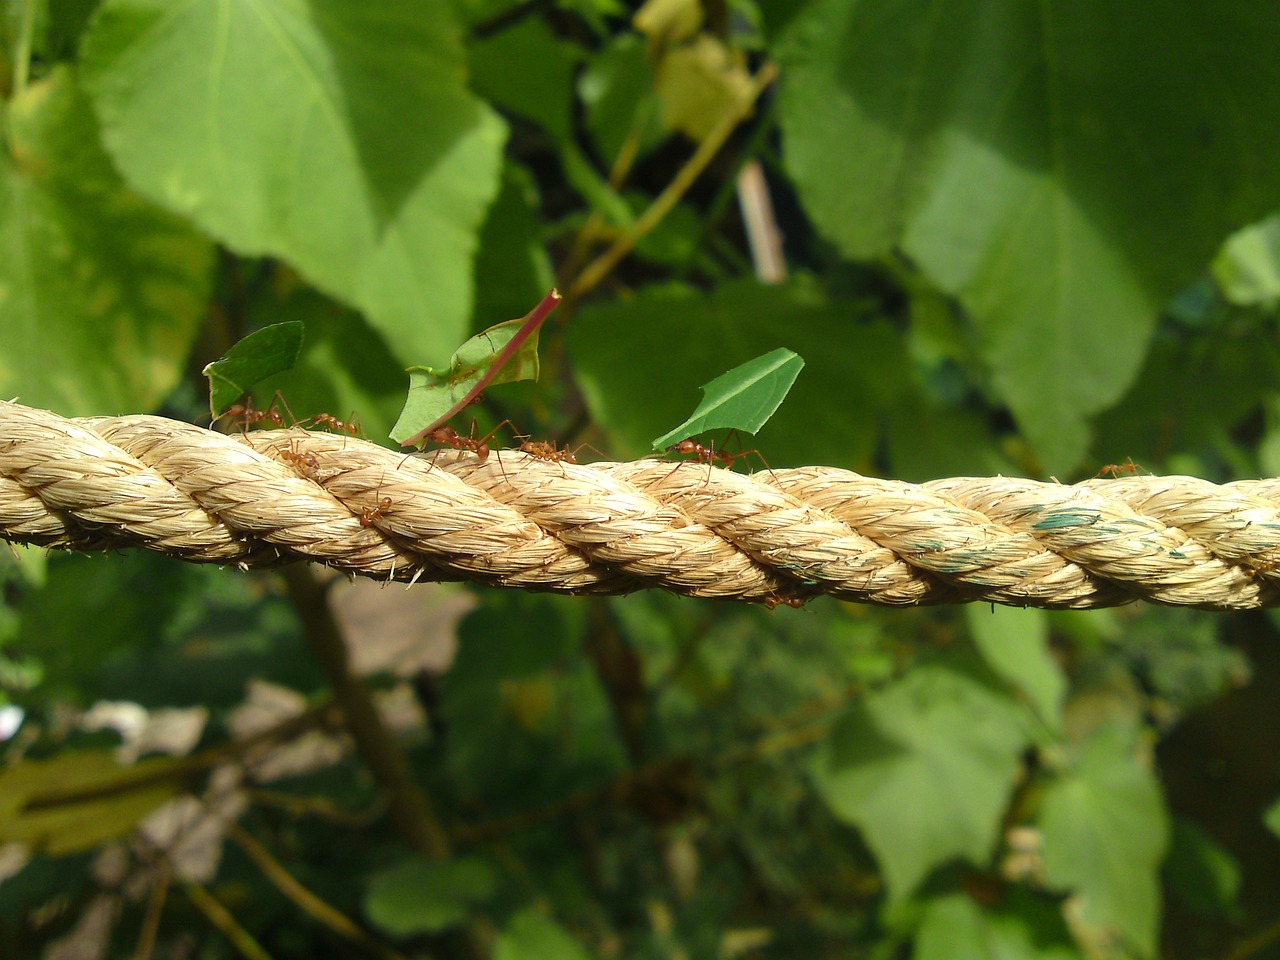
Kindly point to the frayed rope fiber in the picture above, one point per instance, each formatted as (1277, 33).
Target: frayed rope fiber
(511, 520)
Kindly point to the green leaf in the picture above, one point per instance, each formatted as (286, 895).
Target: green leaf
(924, 769)
(101, 293)
(338, 136)
(742, 399)
(616, 89)
(1248, 268)
(1105, 831)
(956, 928)
(1015, 644)
(531, 934)
(418, 897)
(1201, 873)
(1272, 818)
(78, 801)
(528, 70)
(261, 354)
(1061, 168)
(672, 334)
(504, 353)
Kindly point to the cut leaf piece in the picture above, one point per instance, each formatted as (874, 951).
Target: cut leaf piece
(338, 136)
(261, 354)
(77, 801)
(416, 897)
(504, 353)
(101, 292)
(743, 399)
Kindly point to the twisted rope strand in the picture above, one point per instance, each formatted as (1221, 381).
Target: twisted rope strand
(276, 496)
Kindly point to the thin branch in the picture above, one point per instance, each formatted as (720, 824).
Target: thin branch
(223, 920)
(409, 808)
(600, 268)
(155, 909)
(303, 898)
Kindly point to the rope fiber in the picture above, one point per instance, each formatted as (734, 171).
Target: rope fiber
(271, 497)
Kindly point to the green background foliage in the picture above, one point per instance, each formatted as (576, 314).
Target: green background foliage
(1020, 238)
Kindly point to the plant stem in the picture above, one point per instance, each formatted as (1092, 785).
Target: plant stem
(409, 808)
(224, 921)
(303, 898)
(22, 50)
(600, 268)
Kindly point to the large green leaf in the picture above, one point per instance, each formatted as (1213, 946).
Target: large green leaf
(1063, 168)
(956, 928)
(1105, 830)
(1015, 644)
(338, 136)
(924, 769)
(101, 293)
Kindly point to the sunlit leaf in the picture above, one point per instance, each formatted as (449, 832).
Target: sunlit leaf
(77, 801)
(101, 292)
(957, 928)
(338, 136)
(261, 354)
(1010, 150)
(743, 399)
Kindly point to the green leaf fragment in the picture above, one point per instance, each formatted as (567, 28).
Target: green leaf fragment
(1015, 644)
(504, 353)
(261, 354)
(743, 399)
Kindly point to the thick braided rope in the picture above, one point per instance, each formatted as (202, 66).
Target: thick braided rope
(276, 496)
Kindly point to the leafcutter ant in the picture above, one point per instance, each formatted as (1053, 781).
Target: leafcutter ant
(368, 516)
(247, 416)
(711, 455)
(542, 450)
(351, 426)
(306, 462)
(446, 436)
(1116, 469)
(777, 601)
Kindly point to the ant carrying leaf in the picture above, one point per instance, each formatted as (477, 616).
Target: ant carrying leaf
(502, 354)
(261, 354)
(743, 399)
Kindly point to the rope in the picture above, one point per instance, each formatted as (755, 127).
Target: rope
(511, 520)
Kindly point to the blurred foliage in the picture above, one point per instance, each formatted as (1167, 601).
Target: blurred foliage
(1019, 238)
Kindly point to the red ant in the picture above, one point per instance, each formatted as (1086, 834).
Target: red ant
(542, 450)
(352, 426)
(449, 437)
(367, 517)
(1116, 469)
(710, 455)
(776, 601)
(249, 417)
(306, 463)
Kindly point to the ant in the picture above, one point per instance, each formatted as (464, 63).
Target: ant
(449, 437)
(542, 450)
(306, 462)
(711, 455)
(249, 417)
(776, 601)
(367, 517)
(1116, 469)
(352, 426)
